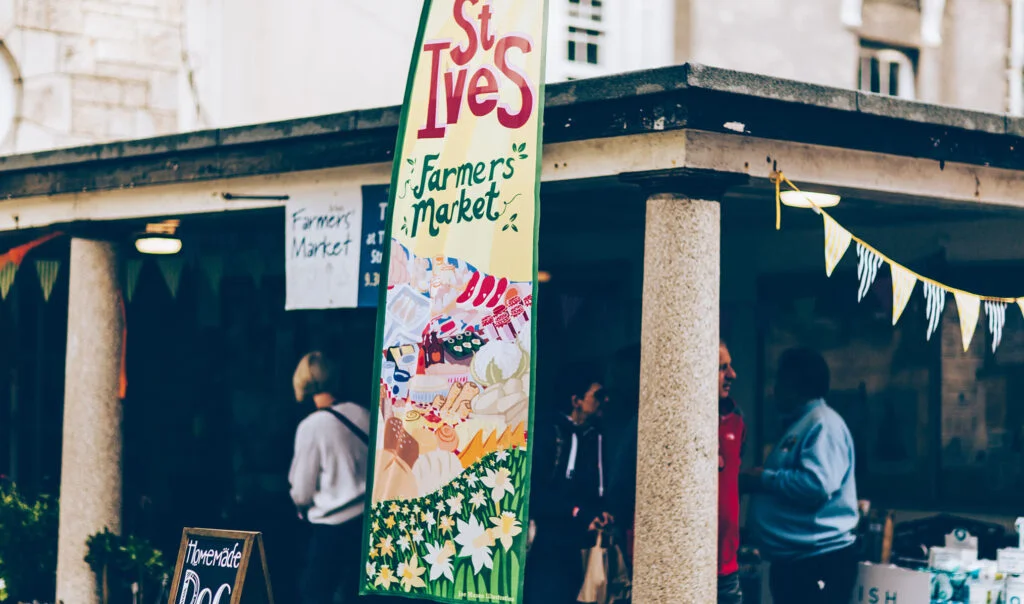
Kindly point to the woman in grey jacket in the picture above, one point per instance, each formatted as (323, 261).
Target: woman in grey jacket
(328, 481)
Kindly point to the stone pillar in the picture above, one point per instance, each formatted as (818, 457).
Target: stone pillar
(90, 484)
(677, 452)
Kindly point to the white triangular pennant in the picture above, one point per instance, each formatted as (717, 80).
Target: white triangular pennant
(903, 282)
(47, 271)
(171, 269)
(837, 241)
(968, 306)
(132, 270)
(996, 312)
(868, 264)
(213, 268)
(7, 274)
(935, 303)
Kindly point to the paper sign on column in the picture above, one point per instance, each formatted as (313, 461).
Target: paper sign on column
(1011, 561)
(1014, 591)
(322, 238)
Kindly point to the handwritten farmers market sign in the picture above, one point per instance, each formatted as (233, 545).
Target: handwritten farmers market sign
(451, 464)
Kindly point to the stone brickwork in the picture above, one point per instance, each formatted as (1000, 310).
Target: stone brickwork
(94, 70)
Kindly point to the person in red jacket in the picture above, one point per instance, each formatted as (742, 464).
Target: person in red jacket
(731, 437)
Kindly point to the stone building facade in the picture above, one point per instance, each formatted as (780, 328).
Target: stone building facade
(87, 71)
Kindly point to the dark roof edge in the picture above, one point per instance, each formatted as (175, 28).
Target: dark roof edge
(641, 98)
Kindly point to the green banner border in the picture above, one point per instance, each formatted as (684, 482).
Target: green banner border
(383, 296)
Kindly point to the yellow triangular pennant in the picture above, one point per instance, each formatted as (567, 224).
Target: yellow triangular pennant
(903, 282)
(47, 271)
(837, 241)
(967, 306)
(7, 274)
(1020, 304)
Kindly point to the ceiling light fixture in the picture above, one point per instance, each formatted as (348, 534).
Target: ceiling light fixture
(159, 239)
(804, 199)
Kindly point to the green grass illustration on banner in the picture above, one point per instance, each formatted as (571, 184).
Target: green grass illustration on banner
(447, 546)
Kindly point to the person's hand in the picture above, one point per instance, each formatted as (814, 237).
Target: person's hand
(601, 521)
(750, 480)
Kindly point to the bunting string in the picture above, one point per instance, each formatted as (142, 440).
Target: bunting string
(904, 280)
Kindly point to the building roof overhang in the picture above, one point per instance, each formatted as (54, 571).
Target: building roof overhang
(691, 97)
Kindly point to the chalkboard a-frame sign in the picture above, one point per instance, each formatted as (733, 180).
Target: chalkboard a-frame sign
(221, 567)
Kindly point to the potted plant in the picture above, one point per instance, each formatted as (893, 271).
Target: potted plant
(28, 547)
(124, 566)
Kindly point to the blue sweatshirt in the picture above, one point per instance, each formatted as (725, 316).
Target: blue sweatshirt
(808, 505)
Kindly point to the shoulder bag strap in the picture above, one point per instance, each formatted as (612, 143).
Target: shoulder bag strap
(348, 423)
(366, 441)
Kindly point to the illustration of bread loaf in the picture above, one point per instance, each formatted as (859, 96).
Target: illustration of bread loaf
(393, 479)
(434, 470)
(399, 442)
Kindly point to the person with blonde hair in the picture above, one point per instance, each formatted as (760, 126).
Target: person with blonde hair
(328, 480)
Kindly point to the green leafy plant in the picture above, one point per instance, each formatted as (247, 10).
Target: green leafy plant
(120, 562)
(28, 547)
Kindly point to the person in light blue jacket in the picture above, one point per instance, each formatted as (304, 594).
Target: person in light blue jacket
(804, 508)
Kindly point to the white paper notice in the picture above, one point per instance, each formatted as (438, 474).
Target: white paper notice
(322, 239)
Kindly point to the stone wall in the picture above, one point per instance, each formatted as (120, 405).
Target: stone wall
(806, 40)
(93, 70)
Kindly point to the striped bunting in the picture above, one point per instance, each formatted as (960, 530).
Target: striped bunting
(837, 241)
(996, 312)
(968, 306)
(903, 282)
(935, 303)
(868, 264)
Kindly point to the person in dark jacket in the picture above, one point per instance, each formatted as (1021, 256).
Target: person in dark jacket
(568, 489)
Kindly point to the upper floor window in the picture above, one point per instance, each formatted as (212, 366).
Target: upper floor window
(585, 31)
(584, 46)
(588, 10)
(886, 70)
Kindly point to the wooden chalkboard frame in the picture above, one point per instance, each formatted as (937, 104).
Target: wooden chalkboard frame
(251, 541)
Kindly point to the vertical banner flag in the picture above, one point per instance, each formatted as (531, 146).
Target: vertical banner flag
(450, 463)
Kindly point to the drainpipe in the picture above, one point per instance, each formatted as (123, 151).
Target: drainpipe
(1016, 74)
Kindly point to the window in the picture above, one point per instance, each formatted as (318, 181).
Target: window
(585, 31)
(588, 10)
(584, 45)
(888, 71)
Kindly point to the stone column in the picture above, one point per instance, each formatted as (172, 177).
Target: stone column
(677, 452)
(90, 484)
